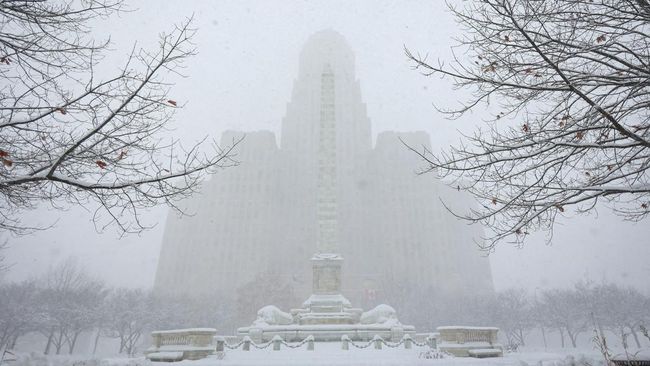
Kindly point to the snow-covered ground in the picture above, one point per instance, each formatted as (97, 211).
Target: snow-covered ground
(330, 354)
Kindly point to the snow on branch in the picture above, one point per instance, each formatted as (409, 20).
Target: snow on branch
(572, 122)
(68, 137)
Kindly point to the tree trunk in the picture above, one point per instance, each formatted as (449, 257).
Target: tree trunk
(49, 343)
(635, 336)
(96, 341)
(544, 337)
(73, 342)
(562, 336)
(623, 337)
(573, 337)
(59, 342)
(133, 340)
(128, 347)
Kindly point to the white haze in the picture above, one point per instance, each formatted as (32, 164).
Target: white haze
(242, 79)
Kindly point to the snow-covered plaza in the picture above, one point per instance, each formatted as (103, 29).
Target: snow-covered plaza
(330, 354)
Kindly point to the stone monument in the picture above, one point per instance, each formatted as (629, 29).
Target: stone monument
(327, 315)
(260, 219)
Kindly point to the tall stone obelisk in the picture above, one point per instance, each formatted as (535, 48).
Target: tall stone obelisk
(327, 188)
(327, 305)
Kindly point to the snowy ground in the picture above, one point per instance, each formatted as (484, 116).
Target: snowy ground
(331, 355)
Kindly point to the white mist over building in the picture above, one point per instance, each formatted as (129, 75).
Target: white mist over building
(401, 245)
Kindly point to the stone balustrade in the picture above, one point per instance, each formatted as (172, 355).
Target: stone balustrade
(181, 344)
(225, 343)
(328, 333)
(462, 341)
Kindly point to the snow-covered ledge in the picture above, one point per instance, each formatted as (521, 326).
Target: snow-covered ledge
(181, 344)
(463, 341)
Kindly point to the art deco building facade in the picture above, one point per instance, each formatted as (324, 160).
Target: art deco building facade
(260, 217)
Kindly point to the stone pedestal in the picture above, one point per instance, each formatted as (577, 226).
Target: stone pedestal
(326, 305)
(326, 273)
(327, 315)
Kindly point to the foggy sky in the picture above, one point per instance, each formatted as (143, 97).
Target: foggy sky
(242, 79)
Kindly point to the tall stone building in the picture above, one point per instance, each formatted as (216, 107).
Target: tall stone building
(260, 218)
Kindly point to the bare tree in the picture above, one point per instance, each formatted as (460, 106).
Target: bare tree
(70, 300)
(129, 314)
(69, 136)
(513, 314)
(18, 312)
(566, 309)
(570, 126)
(620, 309)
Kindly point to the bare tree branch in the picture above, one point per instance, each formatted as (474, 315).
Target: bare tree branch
(67, 137)
(572, 80)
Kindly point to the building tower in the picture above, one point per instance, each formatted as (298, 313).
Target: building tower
(261, 219)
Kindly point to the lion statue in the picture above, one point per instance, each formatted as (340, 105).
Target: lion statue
(272, 315)
(381, 314)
